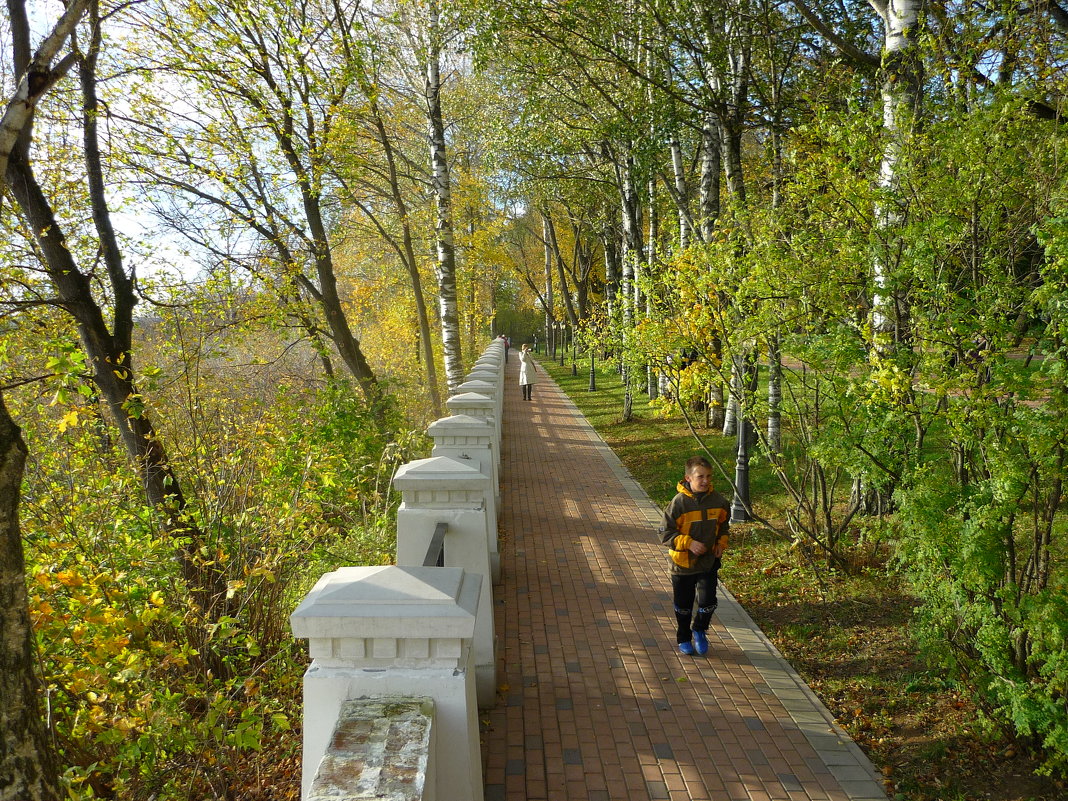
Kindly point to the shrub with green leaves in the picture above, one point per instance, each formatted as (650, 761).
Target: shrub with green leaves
(151, 696)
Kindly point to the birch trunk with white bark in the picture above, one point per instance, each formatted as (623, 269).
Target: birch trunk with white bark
(652, 371)
(711, 165)
(681, 194)
(448, 307)
(632, 256)
(548, 302)
(901, 74)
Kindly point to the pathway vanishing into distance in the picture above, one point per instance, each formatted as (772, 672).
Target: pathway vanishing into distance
(594, 700)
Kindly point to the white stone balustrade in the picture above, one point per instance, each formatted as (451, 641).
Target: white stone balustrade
(447, 490)
(395, 633)
(489, 378)
(492, 355)
(481, 374)
(412, 636)
(462, 437)
(494, 390)
(492, 363)
(481, 407)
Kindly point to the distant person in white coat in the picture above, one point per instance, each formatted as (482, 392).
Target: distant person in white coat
(528, 368)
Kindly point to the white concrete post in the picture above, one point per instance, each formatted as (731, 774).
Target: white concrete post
(445, 490)
(481, 407)
(395, 632)
(494, 390)
(462, 437)
(491, 364)
(480, 374)
(491, 360)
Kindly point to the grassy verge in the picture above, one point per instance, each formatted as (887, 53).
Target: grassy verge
(847, 635)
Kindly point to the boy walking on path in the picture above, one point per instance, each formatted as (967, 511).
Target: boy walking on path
(696, 528)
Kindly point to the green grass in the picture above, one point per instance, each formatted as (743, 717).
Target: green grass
(653, 447)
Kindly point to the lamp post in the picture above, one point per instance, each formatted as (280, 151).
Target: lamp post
(593, 374)
(740, 505)
(574, 353)
(563, 341)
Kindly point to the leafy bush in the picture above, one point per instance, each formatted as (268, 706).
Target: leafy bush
(150, 695)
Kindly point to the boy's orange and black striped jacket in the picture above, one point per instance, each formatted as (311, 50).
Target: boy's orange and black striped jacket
(705, 518)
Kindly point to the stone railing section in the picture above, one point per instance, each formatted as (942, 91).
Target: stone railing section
(403, 656)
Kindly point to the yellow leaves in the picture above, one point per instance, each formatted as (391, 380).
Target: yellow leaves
(68, 578)
(69, 420)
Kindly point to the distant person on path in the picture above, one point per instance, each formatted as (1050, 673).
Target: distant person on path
(527, 370)
(696, 529)
(507, 344)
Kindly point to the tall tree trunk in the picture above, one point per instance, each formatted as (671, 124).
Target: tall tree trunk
(409, 259)
(110, 351)
(681, 194)
(732, 120)
(902, 76)
(775, 340)
(652, 371)
(27, 763)
(443, 228)
(548, 302)
(632, 255)
(711, 165)
(561, 275)
(731, 412)
(716, 417)
(774, 396)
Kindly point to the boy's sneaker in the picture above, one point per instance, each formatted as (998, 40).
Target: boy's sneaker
(700, 643)
(686, 648)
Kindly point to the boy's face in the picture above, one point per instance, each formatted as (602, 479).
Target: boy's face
(700, 478)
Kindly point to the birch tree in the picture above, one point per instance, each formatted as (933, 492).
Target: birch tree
(367, 182)
(448, 309)
(257, 155)
(901, 83)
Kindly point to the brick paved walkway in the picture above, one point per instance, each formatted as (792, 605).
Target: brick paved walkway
(594, 700)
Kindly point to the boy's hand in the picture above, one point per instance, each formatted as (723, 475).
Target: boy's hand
(718, 550)
(697, 548)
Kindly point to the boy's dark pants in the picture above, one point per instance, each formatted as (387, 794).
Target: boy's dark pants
(689, 587)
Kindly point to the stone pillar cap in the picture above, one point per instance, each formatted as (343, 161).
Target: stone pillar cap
(463, 424)
(482, 387)
(470, 399)
(446, 472)
(420, 602)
